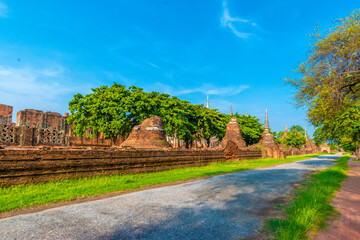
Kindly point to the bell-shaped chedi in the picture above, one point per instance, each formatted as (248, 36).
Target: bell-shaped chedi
(148, 135)
(233, 134)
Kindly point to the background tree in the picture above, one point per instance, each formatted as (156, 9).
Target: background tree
(295, 139)
(278, 137)
(297, 128)
(329, 82)
(250, 127)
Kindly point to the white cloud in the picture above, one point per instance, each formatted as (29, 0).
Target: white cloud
(228, 21)
(3, 10)
(43, 89)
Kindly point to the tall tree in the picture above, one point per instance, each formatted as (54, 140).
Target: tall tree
(329, 82)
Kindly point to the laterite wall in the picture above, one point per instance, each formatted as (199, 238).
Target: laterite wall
(33, 166)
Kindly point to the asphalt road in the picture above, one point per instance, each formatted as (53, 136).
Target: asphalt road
(222, 207)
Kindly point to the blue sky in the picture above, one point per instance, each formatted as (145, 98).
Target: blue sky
(235, 51)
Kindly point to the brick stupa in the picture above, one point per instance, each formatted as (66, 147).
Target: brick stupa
(270, 149)
(148, 135)
(233, 134)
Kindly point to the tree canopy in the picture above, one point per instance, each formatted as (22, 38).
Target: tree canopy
(295, 139)
(116, 110)
(329, 82)
(297, 128)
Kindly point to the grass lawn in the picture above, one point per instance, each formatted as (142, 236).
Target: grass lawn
(310, 208)
(65, 190)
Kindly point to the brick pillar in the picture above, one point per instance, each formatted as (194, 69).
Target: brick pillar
(26, 136)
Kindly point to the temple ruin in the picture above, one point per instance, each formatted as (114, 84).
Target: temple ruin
(39, 136)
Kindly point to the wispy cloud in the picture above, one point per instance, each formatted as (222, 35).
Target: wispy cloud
(228, 21)
(212, 90)
(153, 65)
(3, 10)
(206, 89)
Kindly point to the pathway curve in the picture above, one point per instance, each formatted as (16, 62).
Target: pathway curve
(347, 201)
(222, 207)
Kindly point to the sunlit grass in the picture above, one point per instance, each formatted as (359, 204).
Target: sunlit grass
(65, 190)
(310, 208)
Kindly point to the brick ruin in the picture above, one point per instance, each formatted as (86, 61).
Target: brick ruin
(5, 114)
(42, 147)
(148, 135)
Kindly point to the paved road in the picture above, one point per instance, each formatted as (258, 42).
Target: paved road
(222, 207)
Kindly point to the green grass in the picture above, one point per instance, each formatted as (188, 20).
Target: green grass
(64, 190)
(310, 208)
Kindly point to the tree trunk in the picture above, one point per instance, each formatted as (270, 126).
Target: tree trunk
(357, 152)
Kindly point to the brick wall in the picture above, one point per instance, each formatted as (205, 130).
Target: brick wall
(6, 114)
(33, 166)
(29, 117)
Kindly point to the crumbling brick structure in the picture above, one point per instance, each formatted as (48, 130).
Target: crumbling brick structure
(325, 148)
(233, 134)
(5, 114)
(39, 119)
(270, 149)
(234, 146)
(148, 135)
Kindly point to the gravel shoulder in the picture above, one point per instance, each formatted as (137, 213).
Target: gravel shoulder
(222, 207)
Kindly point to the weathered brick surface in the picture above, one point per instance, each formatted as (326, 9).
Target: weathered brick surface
(39, 119)
(29, 117)
(6, 114)
(233, 134)
(270, 148)
(53, 120)
(148, 135)
(31, 166)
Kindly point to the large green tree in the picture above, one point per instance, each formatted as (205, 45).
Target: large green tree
(115, 110)
(329, 81)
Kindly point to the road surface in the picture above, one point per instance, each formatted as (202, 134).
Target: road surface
(222, 207)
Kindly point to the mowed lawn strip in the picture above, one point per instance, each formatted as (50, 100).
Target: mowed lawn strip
(311, 206)
(64, 190)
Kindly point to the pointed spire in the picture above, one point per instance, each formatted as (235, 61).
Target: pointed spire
(266, 125)
(305, 133)
(285, 127)
(207, 102)
(247, 114)
(231, 110)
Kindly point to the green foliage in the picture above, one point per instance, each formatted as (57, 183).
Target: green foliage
(295, 139)
(66, 190)
(278, 137)
(116, 110)
(297, 128)
(311, 206)
(250, 127)
(329, 83)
